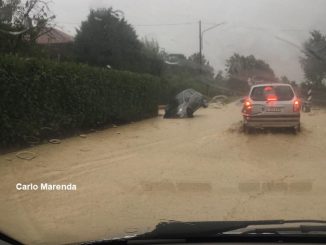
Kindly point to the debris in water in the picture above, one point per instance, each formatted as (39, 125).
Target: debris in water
(26, 155)
(55, 141)
(216, 105)
(219, 99)
(83, 136)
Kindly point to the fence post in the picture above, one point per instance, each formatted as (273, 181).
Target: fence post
(306, 107)
(310, 92)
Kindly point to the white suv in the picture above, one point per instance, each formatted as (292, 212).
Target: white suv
(271, 105)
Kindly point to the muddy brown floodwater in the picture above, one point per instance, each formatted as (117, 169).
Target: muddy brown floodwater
(132, 177)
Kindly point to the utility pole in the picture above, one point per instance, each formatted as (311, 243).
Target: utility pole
(200, 46)
(201, 33)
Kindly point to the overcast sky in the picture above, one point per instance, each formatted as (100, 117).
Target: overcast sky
(251, 26)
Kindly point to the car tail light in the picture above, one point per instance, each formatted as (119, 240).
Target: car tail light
(296, 106)
(271, 97)
(247, 107)
(268, 88)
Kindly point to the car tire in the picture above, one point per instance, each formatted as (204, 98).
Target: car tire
(306, 108)
(190, 112)
(297, 129)
(246, 129)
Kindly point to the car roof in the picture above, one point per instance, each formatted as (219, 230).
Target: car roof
(271, 84)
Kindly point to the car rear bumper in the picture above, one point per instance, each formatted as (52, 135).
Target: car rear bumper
(263, 121)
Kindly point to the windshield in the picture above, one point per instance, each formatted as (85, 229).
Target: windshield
(119, 115)
(282, 93)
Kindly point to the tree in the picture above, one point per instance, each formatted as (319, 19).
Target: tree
(181, 72)
(220, 80)
(219, 76)
(244, 67)
(22, 22)
(152, 58)
(180, 65)
(107, 39)
(284, 79)
(314, 62)
(204, 67)
(151, 48)
(240, 69)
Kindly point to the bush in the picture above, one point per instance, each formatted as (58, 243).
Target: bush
(68, 97)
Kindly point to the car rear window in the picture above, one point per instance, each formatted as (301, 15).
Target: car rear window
(282, 93)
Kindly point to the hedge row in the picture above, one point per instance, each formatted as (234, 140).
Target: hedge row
(42, 95)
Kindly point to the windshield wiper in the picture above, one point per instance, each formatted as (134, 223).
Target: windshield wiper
(286, 228)
(5, 239)
(172, 231)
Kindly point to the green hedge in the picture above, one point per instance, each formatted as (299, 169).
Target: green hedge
(40, 95)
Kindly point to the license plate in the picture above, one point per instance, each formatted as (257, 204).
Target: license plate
(273, 109)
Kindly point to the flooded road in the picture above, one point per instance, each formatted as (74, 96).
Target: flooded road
(132, 177)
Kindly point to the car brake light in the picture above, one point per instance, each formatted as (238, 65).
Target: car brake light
(271, 97)
(296, 106)
(247, 107)
(268, 88)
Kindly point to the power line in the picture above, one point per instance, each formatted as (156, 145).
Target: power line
(176, 24)
(149, 25)
(168, 24)
(68, 23)
(232, 26)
